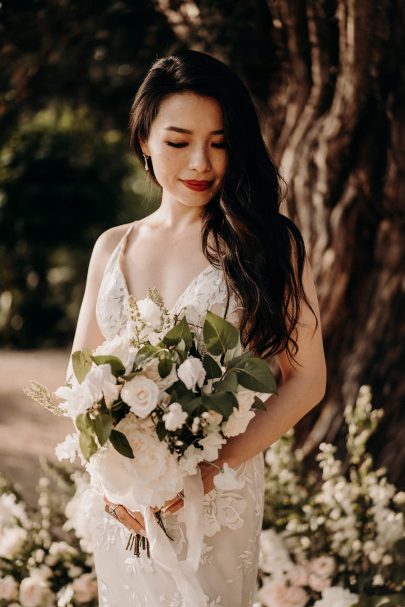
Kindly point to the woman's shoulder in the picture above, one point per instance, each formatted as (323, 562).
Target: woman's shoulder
(109, 239)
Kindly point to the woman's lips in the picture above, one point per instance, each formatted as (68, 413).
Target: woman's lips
(198, 186)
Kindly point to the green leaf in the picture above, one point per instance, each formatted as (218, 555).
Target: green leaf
(256, 375)
(161, 430)
(239, 361)
(87, 444)
(165, 363)
(121, 444)
(145, 354)
(222, 402)
(219, 334)
(258, 404)
(386, 600)
(117, 368)
(81, 361)
(229, 383)
(211, 367)
(190, 406)
(102, 425)
(180, 331)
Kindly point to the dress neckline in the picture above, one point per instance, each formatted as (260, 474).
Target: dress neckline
(121, 252)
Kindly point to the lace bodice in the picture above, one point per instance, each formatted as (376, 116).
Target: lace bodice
(207, 291)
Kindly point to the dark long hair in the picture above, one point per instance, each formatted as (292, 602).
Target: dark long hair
(261, 251)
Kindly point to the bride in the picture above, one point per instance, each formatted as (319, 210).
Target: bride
(218, 242)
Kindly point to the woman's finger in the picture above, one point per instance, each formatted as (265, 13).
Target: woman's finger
(124, 517)
(173, 507)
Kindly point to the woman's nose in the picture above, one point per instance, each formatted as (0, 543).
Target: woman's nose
(199, 159)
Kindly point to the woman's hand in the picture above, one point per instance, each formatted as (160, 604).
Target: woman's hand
(134, 521)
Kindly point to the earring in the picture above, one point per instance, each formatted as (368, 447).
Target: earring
(146, 161)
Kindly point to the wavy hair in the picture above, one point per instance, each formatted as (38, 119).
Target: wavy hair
(260, 250)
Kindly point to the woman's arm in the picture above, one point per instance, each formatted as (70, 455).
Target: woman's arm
(88, 334)
(302, 388)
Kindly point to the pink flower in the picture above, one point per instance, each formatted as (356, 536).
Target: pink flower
(85, 588)
(277, 594)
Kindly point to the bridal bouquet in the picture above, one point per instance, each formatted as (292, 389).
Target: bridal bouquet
(155, 401)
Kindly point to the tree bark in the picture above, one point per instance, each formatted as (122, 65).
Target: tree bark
(333, 115)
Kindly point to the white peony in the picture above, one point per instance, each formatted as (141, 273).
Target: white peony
(151, 371)
(8, 588)
(336, 597)
(192, 373)
(175, 418)
(211, 445)
(276, 593)
(226, 479)
(120, 347)
(190, 460)
(141, 394)
(11, 541)
(85, 588)
(68, 449)
(151, 478)
(150, 312)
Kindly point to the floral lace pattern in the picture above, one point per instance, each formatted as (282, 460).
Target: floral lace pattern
(232, 520)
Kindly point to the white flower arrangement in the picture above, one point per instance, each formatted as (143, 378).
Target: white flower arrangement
(338, 543)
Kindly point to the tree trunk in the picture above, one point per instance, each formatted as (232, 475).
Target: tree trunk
(332, 114)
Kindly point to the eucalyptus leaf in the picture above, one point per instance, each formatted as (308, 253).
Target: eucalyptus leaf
(117, 368)
(161, 430)
(191, 405)
(165, 363)
(121, 444)
(145, 354)
(180, 331)
(81, 362)
(239, 361)
(229, 383)
(102, 425)
(211, 367)
(87, 444)
(256, 375)
(219, 334)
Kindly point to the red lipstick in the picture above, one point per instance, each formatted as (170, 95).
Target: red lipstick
(198, 186)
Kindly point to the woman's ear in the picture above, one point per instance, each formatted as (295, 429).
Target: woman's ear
(144, 147)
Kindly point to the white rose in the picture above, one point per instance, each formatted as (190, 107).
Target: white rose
(192, 373)
(151, 371)
(150, 479)
(120, 347)
(211, 445)
(150, 312)
(8, 588)
(175, 418)
(85, 588)
(11, 541)
(33, 592)
(190, 460)
(226, 479)
(277, 594)
(141, 394)
(336, 597)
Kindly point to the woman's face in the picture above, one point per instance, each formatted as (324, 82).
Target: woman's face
(186, 143)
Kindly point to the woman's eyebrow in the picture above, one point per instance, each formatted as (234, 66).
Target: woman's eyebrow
(179, 130)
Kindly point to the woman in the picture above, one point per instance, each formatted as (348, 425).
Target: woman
(219, 242)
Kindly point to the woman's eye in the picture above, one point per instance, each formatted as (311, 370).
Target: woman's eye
(182, 145)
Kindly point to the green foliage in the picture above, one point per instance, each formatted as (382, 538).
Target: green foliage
(63, 181)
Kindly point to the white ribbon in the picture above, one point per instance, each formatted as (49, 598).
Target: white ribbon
(163, 553)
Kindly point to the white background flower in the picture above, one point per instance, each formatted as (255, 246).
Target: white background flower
(276, 593)
(175, 417)
(8, 588)
(141, 394)
(11, 541)
(336, 597)
(85, 588)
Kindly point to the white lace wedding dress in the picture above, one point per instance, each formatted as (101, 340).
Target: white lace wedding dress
(231, 520)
